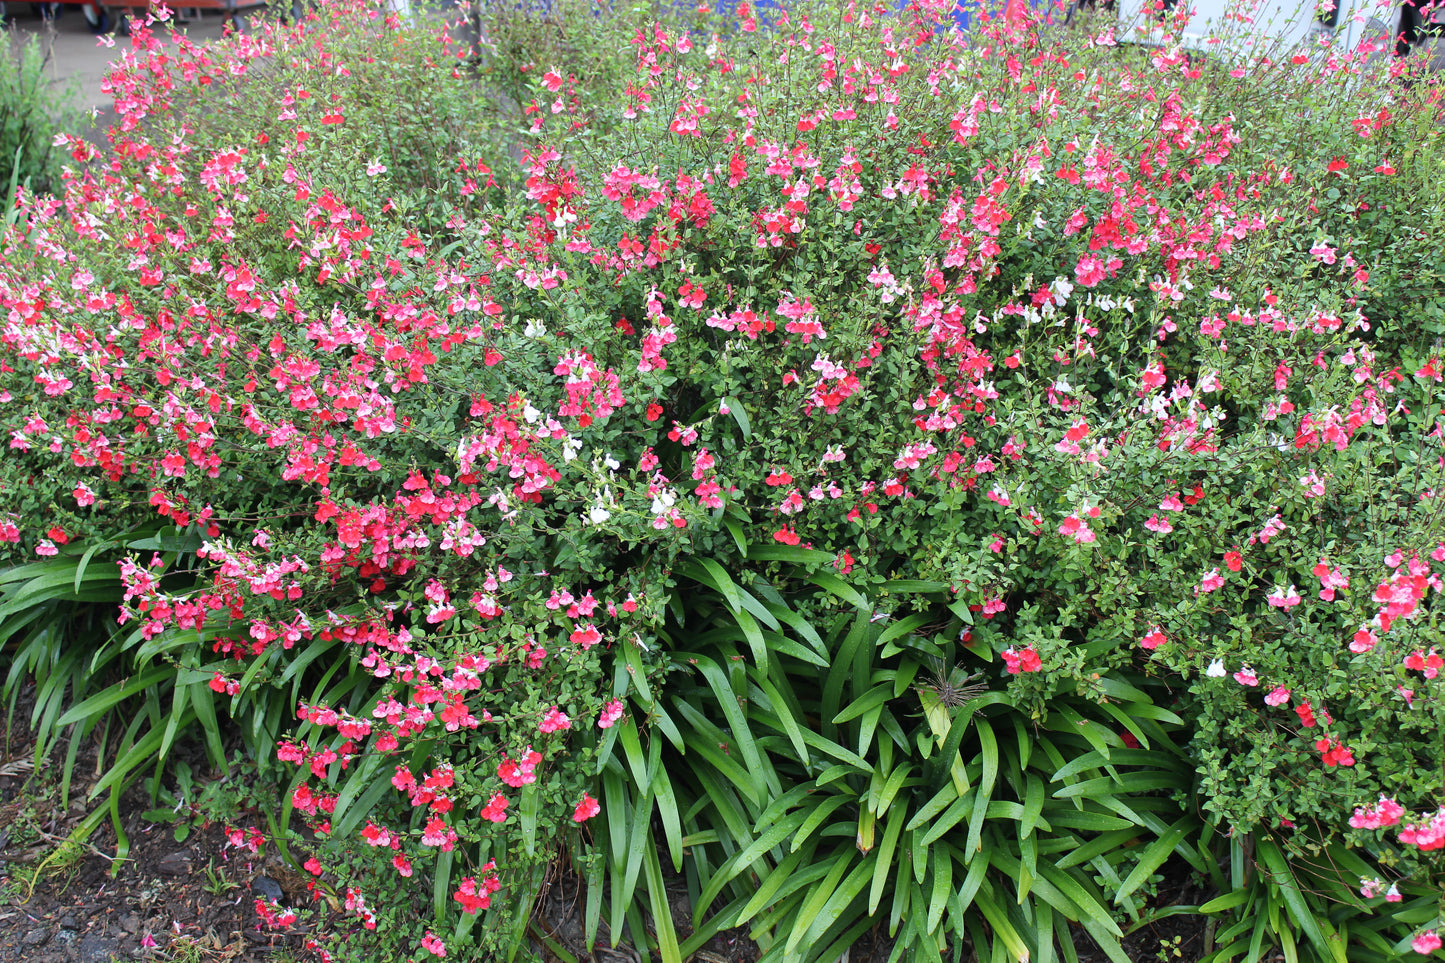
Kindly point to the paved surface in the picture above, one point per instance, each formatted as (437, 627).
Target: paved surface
(76, 54)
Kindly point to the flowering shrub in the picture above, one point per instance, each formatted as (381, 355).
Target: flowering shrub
(1095, 363)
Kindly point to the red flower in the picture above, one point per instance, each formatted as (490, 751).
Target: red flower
(496, 810)
(1022, 660)
(1233, 561)
(586, 809)
(1334, 753)
(654, 411)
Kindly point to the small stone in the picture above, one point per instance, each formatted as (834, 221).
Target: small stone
(36, 938)
(67, 922)
(266, 887)
(97, 949)
(176, 864)
(129, 923)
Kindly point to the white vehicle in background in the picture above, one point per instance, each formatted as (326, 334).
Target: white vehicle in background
(1280, 28)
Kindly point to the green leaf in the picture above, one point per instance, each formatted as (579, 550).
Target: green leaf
(637, 675)
(1079, 896)
(1154, 856)
(884, 864)
(661, 909)
(873, 698)
(942, 883)
(441, 884)
(836, 586)
(936, 804)
(363, 789)
(706, 744)
(816, 816)
(1003, 928)
(1089, 821)
(771, 882)
(950, 818)
(204, 703)
(811, 926)
(988, 746)
(1127, 783)
(1285, 883)
(1033, 804)
(740, 415)
(1226, 902)
(1106, 842)
(737, 720)
(774, 703)
(907, 586)
(895, 782)
(105, 700)
(746, 857)
(788, 553)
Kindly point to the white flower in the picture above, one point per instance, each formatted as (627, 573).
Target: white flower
(1216, 669)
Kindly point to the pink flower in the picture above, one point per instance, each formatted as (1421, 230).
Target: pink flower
(586, 809)
(1330, 579)
(1430, 664)
(476, 895)
(611, 712)
(1427, 942)
(1364, 640)
(1211, 581)
(555, 720)
(1156, 523)
(1078, 528)
(586, 636)
(1283, 598)
(1278, 696)
(1428, 834)
(432, 945)
(1022, 660)
(1246, 676)
(514, 773)
(1153, 638)
(496, 809)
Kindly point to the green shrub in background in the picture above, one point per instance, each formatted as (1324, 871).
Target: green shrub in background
(36, 109)
(932, 484)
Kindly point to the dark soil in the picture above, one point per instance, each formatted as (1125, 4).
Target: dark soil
(189, 900)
